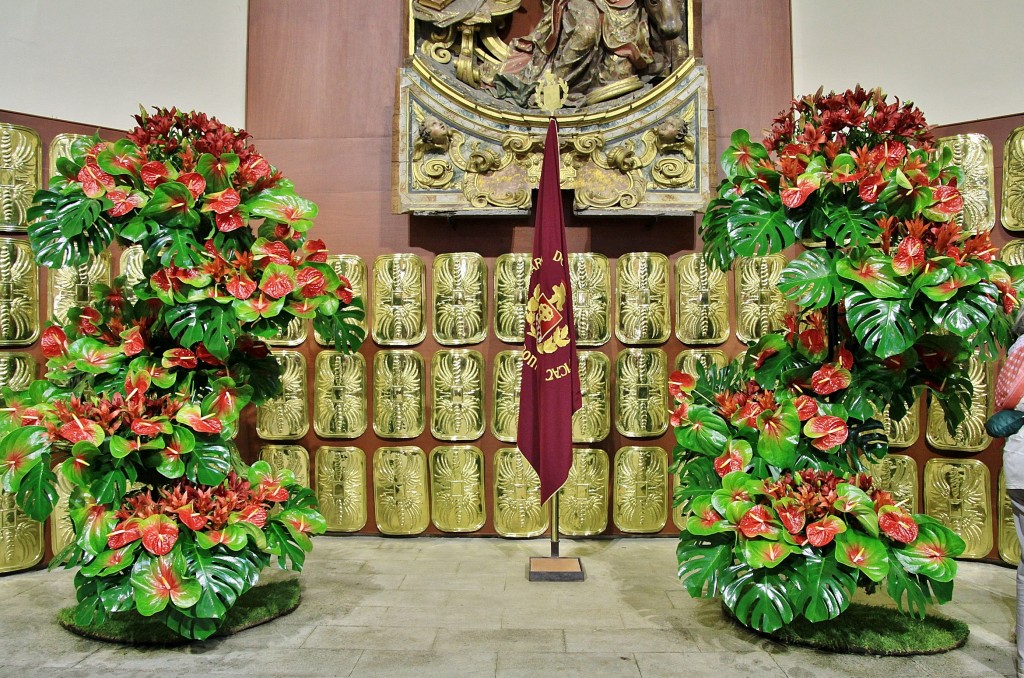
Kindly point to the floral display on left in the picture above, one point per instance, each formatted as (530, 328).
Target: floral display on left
(144, 388)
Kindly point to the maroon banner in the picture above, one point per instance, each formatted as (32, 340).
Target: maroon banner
(551, 379)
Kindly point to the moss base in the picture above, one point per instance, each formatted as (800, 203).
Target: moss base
(257, 606)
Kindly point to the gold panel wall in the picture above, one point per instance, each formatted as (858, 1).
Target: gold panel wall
(398, 394)
(507, 383)
(641, 283)
(457, 394)
(339, 404)
(21, 174)
(640, 502)
(60, 147)
(702, 301)
(958, 493)
(688, 359)
(353, 269)
(760, 306)
(511, 283)
(970, 435)
(1013, 252)
(130, 266)
(641, 402)
(399, 300)
(897, 475)
(590, 280)
(17, 370)
(517, 508)
(905, 431)
(295, 458)
(21, 538)
(460, 298)
(19, 293)
(972, 153)
(457, 488)
(1009, 544)
(62, 531)
(400, 493)
(286, 417)
(583, 499)
(293, 334)
(71, 286)
(1012, 214)
(341, 487)
(593, 421)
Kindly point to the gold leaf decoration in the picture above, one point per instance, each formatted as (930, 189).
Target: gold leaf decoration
(1013, 252)
(457, 395)
(400, 490)
(130, 266)
(71, 286)
(641, 403)
(460, 298)
(1009, 544)
(702, 301)
(517, 508)
(897, 475)
(286, 417)
(1012, 214)
(17, 370)
(760, 306)
(60, 147)
(457, 488)
(292, 334)
(399, 298)
(511, 282)
(970, 436)
(21, 538)
(593, 421)
(21, 174)
(508, 379)
(351, 268)
(62, 530)
(398, 394)
(958, 493)
(590, 280)
(341, 487)
(583, 499)
(641, 280)
(688, 359)
(295, 458)
(640, 503)
(19, 295)
(972, 153)
(905, 431)
(339, 406)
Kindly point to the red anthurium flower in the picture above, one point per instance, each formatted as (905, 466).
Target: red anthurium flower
(709, 516)
(757, 522)
(194, 182)
(179, 357)
(844, 358)
(230, 221)
(254, 168)
(222, 202)
(95, 182)
(147, 427)
(77, 430)
(87, 321)
(948, 200)
(813, 339)
(315, 251)
(679, 414)
(159, 534)
(153, 173)
(124, 533)
(273, 491)
(344, 291)
(806, 407)
(54, 342)
(241, 286)
(680, 384)
(276, 251)
(792, 516)
(827, 431)
(909, 256)
(728, 463)
(257, 515)
(134, 343)
(822, 532)
(829, 379)
(898, 525)
(747, 414)
(124, 202)
(312, 283)
(870, 187)
(192, 520)
(795, 196)
(202, 353)
(278, 284)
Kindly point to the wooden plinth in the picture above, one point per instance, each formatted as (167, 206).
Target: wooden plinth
(556, 569)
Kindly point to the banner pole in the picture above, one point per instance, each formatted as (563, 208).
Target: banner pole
(554, 524)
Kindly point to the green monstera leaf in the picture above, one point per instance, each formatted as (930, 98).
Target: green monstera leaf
(971, 310)
(825, 588)
(885, 327)
(760, 599)
(161, 581)
(811, 280)
(864, 553)
(758, 225)
(934, 551)
(704, 564)
(223, 576)
(856, 502)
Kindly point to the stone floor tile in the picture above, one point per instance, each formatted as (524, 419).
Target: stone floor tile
(717, 664)
(582, 618)
(567, 665)
(413, 638)
(468, 663)
(291, 661)
(628, 641)
(500, 640)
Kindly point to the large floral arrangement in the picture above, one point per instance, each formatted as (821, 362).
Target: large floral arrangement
(144, 387)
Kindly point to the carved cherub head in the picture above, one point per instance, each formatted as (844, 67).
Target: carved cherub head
(434, 132)
(672, 131)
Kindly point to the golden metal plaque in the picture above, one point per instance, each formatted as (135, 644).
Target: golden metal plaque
(460, 299)
(640, 502)
(457, 488)
(339, 405)
(295, 458)
(71, 286)
(511, 283)
(760, 306)
(972, 153)
(17, 370)
(1009, 544)
(19, 293)
(398, 394)
(641, 403)
(593, 421)
(293, 334)
(590, 280)
(60, 147)
(21, 174)
(400, 490)
(21, 538)
(457, 394)
(62, 530)
(678, 517)
(341, 487)
(583, 499)
(905, 431)
(970, 435)
(1012, 214)
(130, 266)
(286, 417)
(641, 282)
(702, 301)
(508, 379)
(399, 299)
(353, 269)
(1013, 252)
(688, 359)
(958, 493)
(517, 508)
(897, 475)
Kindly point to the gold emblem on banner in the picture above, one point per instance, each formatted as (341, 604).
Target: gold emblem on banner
(400, 490)
(508, 383)
(545, 319)
(551, 93)
(958, 493)
(71, 286)
(339, 406)
(593, 421)
(897, 475)
(583, 499)
(286, 417)
(641, 490)
(457, 488)
(21, 538)
(341, 487)
(295, 458)
(1009, 545)
(518, 511)
(591, 285)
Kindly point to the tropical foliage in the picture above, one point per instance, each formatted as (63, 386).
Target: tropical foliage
(145, 386)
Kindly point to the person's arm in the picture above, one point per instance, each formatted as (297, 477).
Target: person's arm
(1010, 382)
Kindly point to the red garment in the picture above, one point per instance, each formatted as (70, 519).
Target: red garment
(1010, 383)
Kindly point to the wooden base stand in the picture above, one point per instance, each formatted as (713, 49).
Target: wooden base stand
(556, 569)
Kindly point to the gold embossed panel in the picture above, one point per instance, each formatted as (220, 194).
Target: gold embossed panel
(62, 530)
(353, 269)
(640, 502)
(702, 302)
(905, 431)
(130, 266)
(688, 359)
(972, 153)
(1013, 253)
(593, 421)
(511, 283)
(295, 458)
(293, 334)
(897, 475)
(17, 370)
(641, 282)
(21, 174)
(517, 508)
(60, 147)
(641, 403)
(1009, 544)
(400, 490)
(341, 487)
(508, 379)
(19, 293)
(958, 493)
(760, 306)
(460, 298)
(457, 394)
(398, 394)
(590, 280)
(286, 417)
(1012, 214)
(970, 436)
(457, 488)
(21, 538)
(339, 402)
(399, 299)
(583, 500)
(71, 286)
